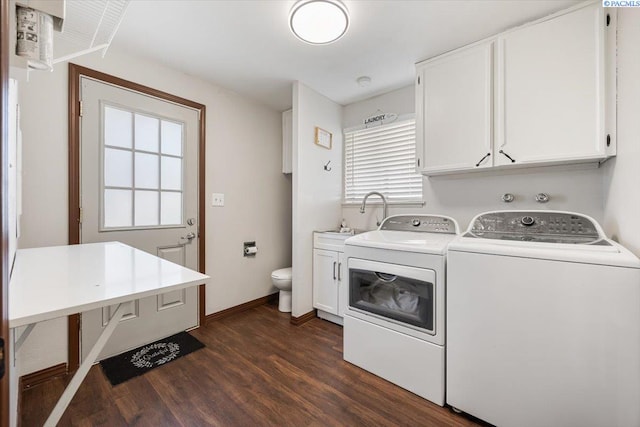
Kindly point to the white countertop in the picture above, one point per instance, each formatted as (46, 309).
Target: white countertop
(58, 281)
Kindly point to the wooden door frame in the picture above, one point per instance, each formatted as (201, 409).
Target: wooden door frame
(4, 205)
(75, 72)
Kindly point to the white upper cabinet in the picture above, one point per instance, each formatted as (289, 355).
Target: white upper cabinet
(287, 141)
(540, 94)
(551, 90)
(454, 102)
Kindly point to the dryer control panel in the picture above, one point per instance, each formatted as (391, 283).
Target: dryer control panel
(422, 223)
(539, 226)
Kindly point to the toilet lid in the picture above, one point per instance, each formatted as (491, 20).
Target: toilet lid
(282, 274)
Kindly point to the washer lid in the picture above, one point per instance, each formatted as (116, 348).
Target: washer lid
(612, 255)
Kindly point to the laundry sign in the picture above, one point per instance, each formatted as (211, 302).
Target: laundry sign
(380, 117)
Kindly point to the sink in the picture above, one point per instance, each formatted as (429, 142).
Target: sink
(332, 240)
(352, 232)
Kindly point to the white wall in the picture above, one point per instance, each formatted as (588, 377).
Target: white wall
(622, 174)
(400, 101)
(316, 192)
(243, 160)
(463, 196)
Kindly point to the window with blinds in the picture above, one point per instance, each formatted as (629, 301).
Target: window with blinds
(382, 159)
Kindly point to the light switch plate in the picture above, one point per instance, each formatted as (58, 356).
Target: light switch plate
(217, 199)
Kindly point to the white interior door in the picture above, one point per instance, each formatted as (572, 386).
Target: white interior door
(139, 186)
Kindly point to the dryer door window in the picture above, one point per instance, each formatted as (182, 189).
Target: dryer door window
(392, 296)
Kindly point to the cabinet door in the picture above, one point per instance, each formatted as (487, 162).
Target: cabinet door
(551, 90)
(287, 141)
(325, 280)
(454, 98)
(343, 283)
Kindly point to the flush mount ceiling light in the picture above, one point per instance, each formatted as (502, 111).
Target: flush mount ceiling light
(319, 21)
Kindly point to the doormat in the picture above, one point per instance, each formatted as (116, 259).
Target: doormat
(125, 366)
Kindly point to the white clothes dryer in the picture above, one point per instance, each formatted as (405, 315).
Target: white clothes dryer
(394, 319)
(543, 322)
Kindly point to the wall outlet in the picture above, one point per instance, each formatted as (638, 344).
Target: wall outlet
(217, 199)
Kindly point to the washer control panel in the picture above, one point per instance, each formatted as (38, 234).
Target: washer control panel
(542, 226)
(421, 223)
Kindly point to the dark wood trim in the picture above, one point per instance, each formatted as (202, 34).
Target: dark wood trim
(75, 71)
(42, 376)
(202, 304)
(202, 200)
(303, 319)
(242, 307)
(73, 321)
(73, 329)
(4, 233)
(108, 78)
(74, 155)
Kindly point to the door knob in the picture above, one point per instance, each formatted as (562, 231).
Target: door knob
(189, 237)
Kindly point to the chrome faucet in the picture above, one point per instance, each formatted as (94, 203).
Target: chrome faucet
(384, 204)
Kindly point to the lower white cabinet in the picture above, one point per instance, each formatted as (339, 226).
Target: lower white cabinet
(329, 270)
(327, 275)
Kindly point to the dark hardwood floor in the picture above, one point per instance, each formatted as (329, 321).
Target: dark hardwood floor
(256, 370)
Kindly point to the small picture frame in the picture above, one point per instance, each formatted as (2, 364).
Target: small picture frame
(323, 138)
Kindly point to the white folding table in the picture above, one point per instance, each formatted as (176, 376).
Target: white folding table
(58, 281)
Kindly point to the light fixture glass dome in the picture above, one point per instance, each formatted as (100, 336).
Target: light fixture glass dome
(319, 21)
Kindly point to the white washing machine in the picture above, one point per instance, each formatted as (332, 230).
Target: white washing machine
(543, 322)
(395, 294)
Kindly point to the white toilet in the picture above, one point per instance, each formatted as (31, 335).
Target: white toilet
(282, 280)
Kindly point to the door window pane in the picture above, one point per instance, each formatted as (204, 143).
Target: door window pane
(117, 208)
(147, 132)
(142, 178)
(147, 173)
(171, 208)
(171, 173)
(171, 138)
(117, 127)
(146, 211)
(117, 168)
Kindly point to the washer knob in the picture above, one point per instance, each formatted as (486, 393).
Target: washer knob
(415, 222)
(527, 220)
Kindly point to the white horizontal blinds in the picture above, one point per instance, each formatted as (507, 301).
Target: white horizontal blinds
(382, 159)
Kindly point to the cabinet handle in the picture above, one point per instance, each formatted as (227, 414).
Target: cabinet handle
(507, 156)
(334, 270)
(482, 159)
(339, 268)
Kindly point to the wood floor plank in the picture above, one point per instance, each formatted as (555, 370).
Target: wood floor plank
(256, 370)
(141, 405)
(267, 393)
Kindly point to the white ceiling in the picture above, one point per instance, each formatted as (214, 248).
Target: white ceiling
(246, 45)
